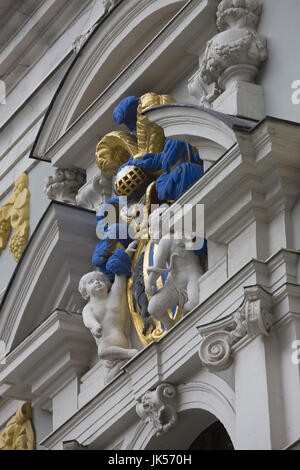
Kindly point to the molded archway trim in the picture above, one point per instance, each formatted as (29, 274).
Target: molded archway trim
(211, 394)
(197, 124)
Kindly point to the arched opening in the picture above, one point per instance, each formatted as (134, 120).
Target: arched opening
(215, 437)
(196, 430)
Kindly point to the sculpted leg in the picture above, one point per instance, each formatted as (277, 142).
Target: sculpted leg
(193, 296)
(115, 352)
(160, 303)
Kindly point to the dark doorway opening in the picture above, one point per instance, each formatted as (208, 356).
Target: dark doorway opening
(214, 437)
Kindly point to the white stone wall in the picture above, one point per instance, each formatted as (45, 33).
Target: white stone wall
(30, 90)
(279, 23)
(253, 226)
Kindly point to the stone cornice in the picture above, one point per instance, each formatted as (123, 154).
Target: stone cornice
(49, 247)
(258, 152)
(54, 352)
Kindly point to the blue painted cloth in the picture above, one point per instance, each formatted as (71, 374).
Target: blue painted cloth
(174, 153)
(203, 249)
(101, 252)
(172, 185)
(109, 274)
(119, 263)
(114, 232)
(181, 167)
(126, 113)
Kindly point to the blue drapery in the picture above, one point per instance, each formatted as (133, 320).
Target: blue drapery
(126, 113)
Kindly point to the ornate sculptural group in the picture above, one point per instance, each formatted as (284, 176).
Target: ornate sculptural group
(64, 185)
(160, 280)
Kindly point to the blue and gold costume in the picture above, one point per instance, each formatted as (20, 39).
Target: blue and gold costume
(138, 159)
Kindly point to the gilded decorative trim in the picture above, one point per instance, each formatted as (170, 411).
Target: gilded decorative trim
(117, 147)
(150, 136)
(114, 150)
(18, 433)
(14, 215)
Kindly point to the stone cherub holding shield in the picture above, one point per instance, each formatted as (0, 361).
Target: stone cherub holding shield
(176, 257)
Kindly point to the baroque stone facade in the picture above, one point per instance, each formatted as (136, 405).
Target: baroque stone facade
(171, 341)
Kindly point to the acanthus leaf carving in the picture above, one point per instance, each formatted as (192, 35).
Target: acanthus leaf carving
(156, 407)
(221, 338)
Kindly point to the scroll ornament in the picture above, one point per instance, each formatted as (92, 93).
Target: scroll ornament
(18, 433)
(155, 407)
(220, 339)
(14, 214)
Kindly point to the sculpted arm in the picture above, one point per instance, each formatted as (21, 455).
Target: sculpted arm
(91, 321)
(117, 293)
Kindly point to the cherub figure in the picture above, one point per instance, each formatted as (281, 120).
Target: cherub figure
(106, 316)
(182, 285)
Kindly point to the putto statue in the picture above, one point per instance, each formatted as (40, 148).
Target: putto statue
(106, 316)
(182, 285)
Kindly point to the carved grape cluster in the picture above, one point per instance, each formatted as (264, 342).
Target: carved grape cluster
(17, 244)
(4, 232)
